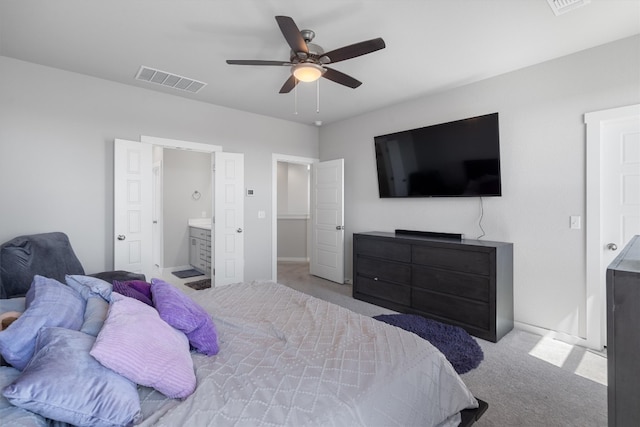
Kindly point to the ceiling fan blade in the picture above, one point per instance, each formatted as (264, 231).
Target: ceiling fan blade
(354, 50)
(256, 62)
(292, 34)
(289, 84)
(341, 78)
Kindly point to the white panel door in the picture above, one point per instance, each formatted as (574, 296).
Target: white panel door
(132, 207)
(229, 218)
(620, 191)
(620, 185)
(327, 233)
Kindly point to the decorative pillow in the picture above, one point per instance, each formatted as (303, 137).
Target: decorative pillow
(130, 292)
(64, 383)
(54, 304)
(184, 314)
(12, 415)
(140, 286)
(97, 286)
(136, 343)
(94, 315)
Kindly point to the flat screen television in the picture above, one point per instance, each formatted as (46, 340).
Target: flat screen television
(454, 159)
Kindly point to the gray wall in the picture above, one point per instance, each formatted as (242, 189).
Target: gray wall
(56, 154)
(543, 171)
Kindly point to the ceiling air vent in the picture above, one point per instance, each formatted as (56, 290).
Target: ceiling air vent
(174, 81)
(563, 6)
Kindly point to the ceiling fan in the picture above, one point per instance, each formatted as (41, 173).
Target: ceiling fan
(308, 60)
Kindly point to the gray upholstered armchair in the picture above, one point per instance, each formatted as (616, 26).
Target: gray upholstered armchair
(46, 254)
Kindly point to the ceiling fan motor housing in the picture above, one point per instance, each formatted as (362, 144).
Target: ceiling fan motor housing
(315, 54)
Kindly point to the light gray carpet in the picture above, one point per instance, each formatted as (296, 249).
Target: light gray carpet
(528, 380)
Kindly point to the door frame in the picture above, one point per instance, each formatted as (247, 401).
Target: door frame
(275, 158)
(595, 276)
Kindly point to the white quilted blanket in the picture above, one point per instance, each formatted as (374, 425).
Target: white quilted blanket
(287, 358)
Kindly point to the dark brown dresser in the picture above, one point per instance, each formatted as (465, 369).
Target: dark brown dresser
(468, 283)
(623, 337)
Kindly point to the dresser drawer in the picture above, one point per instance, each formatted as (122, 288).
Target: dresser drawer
(393, 292)
(383, 249)
(450, 307)
(465, 261)
(200, 233)
(450, 282)
(383, 270)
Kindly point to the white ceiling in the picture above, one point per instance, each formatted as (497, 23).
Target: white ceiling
(432, 45)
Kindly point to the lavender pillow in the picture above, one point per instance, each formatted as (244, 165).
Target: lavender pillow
(151, 354)
(130, 292)
(184, 314)
(53, 304)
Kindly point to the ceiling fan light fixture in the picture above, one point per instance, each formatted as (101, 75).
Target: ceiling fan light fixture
(307, 72)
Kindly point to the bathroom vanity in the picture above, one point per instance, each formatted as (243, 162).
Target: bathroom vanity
(200, 250)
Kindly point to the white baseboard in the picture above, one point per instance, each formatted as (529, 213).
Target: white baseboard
(293, 259)
(548, 333)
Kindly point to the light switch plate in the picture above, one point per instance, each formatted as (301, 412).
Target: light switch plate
(574, 222)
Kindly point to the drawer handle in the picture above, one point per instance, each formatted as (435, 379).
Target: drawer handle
(375, 278)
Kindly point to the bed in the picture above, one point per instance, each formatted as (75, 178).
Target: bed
(283, 358)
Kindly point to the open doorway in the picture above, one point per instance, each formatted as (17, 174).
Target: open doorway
(183, 195)
(291, 216)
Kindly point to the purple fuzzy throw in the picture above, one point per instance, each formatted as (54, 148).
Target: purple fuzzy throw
(460, 349)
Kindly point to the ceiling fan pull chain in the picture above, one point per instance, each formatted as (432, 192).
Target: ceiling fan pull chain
(318, 96)
(295, 100)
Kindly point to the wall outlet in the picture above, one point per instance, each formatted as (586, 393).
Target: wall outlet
(262, 214)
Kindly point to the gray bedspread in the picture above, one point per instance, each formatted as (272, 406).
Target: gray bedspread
(289, 359)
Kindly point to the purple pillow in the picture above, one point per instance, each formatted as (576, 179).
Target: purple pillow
(152, 353)
(128, 291)
(184, 314)
(140, 286)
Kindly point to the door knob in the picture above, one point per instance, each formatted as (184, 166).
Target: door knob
(239, 230)
(612, 247)
(121, 237)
